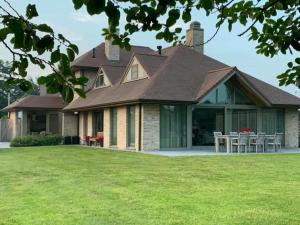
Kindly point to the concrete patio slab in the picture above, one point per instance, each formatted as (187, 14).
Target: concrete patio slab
(197, 152)
(4, 145)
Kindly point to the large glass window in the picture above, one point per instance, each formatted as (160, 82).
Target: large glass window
(227, 93)
(97, 122)
(205, 121)
(113, 126)
(173, 126)
(244, 118)
(273, 121)
(131, 126)
(85, 123)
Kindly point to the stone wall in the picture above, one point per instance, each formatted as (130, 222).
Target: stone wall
(291, 128)
(150, 127)
(69, 124)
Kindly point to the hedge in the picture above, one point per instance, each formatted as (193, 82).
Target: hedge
(36, 140)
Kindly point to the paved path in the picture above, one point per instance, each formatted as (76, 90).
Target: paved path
(176, 153)
(4, 145)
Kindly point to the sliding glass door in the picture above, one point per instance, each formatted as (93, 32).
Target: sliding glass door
(113, 126)
(204, 122)
(244, 118)
(131, 126)
(173, 126)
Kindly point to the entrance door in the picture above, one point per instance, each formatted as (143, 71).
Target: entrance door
(204, 122)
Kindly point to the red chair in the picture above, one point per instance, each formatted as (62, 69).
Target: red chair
(100, 138)
(87, 139)
(246, 130)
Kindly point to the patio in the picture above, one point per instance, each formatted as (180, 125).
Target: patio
(4, 145)
(210, 151)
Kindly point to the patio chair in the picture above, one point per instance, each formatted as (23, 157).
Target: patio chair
(233, 133)
(99, 139)
(221, 141)
(241, 141)
(276, 141)
(257, 142)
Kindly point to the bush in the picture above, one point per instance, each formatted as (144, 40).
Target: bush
(36, 140)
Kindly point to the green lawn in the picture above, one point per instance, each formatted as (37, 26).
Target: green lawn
(74, 186)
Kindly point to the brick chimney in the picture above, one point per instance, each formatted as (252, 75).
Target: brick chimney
(112, 52)
(195, 37)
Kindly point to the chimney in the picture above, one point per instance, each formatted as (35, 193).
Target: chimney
(112, 52)
(43, 90)
(195, 37)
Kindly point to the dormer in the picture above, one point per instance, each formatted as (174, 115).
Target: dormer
(101, 80)
(135, 71)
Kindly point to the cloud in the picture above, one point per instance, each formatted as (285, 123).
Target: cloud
(84, 17)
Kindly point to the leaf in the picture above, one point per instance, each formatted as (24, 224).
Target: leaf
(80, 92)
(71, 54)
(55, 56)
(78, 4)
(95, 6)
(42, 80)
(67, 93)
(31, 11)
(297, 60)
(75, 48)
(45, 28)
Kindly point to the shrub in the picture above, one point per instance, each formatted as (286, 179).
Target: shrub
(36, 140)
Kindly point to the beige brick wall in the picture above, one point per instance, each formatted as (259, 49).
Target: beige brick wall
(106, 127)
(90, 124)
(291, 128)
(150, 127)
(13, 119)
(122, 128)
(81, 119)
(69, 124)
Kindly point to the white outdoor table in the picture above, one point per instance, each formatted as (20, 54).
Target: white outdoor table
(226, 138)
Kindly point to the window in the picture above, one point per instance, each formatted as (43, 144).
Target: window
(100, 80)
(273, 121)
(85, 123)
(244, 118)
(97, 122)
(131, 126)
(113, 126)
(173, 126)
(227, 93)
(134, 72)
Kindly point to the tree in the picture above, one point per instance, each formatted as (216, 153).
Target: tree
(273, 24)
(15, 92)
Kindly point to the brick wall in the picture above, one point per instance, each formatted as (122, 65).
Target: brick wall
(106, 127)
(69, 124)
(291, 128)
(150, 127)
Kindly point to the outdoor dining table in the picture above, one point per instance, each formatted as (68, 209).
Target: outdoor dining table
(228, 139)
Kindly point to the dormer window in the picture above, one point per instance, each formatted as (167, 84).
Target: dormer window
(100, 80)
(134, 72)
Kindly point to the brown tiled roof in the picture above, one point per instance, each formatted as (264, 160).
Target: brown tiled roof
(87, 60)
(37, 102)
(179, 75)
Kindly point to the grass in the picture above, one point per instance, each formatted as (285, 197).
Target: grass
(82, 186)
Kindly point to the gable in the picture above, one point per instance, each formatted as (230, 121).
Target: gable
(234, 90)
(135, 71)
(101, 80)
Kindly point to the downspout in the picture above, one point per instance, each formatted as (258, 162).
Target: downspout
(140, 127)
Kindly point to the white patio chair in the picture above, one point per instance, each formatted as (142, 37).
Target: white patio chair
(241, 141)
(221, 141)
(233, 133)
(276, 142)
(258, 142)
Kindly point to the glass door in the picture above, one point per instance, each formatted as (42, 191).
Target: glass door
(131, 126)
(204, 122)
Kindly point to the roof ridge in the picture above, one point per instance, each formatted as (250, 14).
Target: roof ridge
(148, 54)
(112, 65)
(224, 68)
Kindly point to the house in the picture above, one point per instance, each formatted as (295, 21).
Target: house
(172, 98)
(35, 114)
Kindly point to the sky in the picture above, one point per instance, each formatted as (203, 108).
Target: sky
(85, 31)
